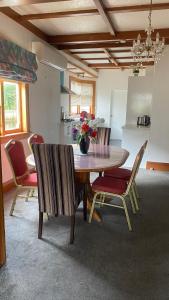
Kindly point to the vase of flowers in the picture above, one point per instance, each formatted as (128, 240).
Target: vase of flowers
(86, 132)
(84, 144)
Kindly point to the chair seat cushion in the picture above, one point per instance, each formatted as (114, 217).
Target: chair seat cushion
(119, 173)
(29, 180)
(110, 185)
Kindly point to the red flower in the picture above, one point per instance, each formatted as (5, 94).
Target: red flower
(94, 133)
(85, 127)
(92, 116)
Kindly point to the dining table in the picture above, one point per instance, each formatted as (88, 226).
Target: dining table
(98, 159)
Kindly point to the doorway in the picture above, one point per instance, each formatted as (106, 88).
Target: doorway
(118, 114)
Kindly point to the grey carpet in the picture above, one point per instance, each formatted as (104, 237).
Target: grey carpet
(106, 261)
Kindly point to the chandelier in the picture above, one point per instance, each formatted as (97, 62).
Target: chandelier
(150, 49)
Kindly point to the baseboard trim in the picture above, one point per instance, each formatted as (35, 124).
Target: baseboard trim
(9, 185)
(157, 166)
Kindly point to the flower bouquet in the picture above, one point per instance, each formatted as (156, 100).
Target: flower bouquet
(85, 131)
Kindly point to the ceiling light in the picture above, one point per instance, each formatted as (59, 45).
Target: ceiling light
(149, 48)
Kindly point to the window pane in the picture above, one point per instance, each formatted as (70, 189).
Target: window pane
(85, 108)
(74, 109)
(11, 106)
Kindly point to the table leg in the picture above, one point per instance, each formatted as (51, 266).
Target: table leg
(84, 177)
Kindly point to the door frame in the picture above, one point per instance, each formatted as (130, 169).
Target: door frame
(2, 221)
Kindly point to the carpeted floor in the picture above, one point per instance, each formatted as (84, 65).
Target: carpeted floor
(106, 262)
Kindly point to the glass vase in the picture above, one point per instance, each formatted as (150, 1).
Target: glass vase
(84, 144)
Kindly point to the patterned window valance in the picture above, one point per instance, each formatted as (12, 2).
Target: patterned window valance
(17, 63)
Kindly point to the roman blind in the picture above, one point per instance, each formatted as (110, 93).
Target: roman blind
(83, 93)
(17, 63)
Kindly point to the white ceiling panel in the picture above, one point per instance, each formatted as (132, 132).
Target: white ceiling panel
(109, 3)
(92, 55)
(120, 48)
(139, 20)
(54, 7)
(123, 54)
(85, 50)
(103, 61)
(72, 25)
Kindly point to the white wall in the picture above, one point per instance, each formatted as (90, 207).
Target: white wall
(108, 81)
(139, 97)
(149, 95)
(44, 100)
(159, 138)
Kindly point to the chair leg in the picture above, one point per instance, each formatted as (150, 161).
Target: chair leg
(31, 194)
(40, 225)
(136, 190)
(13, 203)
(134, 197)
(132, 203)
(127, 215)
(72, 229)
(92, 208)
(100, 174)
(27, 195)
(85, 208)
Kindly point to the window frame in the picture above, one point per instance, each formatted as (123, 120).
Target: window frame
(93, 83)
(23, 109)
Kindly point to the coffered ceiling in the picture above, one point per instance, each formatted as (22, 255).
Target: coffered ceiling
(98, 33)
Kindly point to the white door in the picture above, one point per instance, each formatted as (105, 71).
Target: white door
(118, 113)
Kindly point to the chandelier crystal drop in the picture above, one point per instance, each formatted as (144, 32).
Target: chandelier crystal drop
(149, 49)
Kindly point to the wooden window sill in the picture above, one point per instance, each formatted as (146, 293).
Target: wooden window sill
(18, 136)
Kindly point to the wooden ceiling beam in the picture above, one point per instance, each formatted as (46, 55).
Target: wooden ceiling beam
(103, 58)
(15, 16)
(120, 65)
(105, 16)
(110, 57)
(9, 3)
(104, 36)
(100, 52)
(93, 45)
(93, 11)
(61, 14)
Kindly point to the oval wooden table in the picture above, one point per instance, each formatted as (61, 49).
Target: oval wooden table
(98, 159)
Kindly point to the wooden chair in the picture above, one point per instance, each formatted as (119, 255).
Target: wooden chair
(106, 188)
(103, 135)
(58, 193)
(22, 176)
(125, 174)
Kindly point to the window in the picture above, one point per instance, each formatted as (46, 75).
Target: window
(83, 98)
(13, 107)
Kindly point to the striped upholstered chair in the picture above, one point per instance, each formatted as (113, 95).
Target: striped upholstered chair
(58, 193)
(103, 135)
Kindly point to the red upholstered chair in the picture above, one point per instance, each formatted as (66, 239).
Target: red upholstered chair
(125, 174)
(23, 178)
(35, 139)
(107, 187)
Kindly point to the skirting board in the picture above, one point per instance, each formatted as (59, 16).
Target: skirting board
(7, 186)
(157, 166)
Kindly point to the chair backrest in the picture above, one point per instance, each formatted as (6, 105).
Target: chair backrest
(103, 135)
(56, 183)
(16, 157)
(136, 165)
(35, 139)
